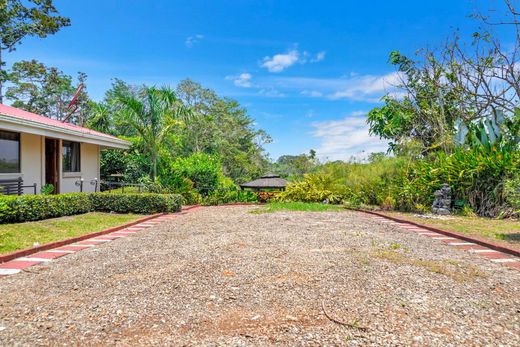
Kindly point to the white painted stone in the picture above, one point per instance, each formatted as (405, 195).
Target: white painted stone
(33, 259)
(484, 251)
(462, 244)
(9, 271)
(443, 238)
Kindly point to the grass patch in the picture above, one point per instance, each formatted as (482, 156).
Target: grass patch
(501, 231)
(23, 235)
(449, 268)
(298, 206)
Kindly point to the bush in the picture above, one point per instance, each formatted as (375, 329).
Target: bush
(225, 196)
(24, 208)
(203, 170)
(135, 203)
(313, 188)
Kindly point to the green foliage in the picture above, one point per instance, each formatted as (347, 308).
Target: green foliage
(512, 192)
(44, 90)
(295, 166)
(299, 206)
(135, 203)
(317, 187)
(19, 19)
(476, 177)
(203, 170)
(366, 183)
(221, 127)
(15, 209)
(151, 113)
(225, 196)
(47, 189)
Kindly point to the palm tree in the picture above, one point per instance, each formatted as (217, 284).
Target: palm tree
(151, 113)
(100, 118)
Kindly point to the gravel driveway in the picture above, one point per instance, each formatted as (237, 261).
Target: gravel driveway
(226, 276)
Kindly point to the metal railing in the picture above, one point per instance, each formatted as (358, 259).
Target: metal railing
(113, 187)
(14, 186)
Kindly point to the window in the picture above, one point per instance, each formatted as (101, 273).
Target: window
(71, 156)
(9, 152)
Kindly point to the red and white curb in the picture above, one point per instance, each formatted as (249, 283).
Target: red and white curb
(19, 264)
(478, 249)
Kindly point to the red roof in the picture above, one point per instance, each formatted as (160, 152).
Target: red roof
(33, 117)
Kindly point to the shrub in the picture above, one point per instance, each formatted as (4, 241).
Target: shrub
(24, 208)
(135, 203)
(203, 170)
(313, 188)
(225, 196)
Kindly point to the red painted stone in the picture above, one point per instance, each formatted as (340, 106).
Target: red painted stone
(70, 248)
(47, 255)
(109, 237)
(18, 264)
(495, 255)
(88, 242)
(515, 265)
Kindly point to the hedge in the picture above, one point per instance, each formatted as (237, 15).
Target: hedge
(24, 208)
(136, 203)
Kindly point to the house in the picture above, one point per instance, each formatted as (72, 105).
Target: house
(38, 151)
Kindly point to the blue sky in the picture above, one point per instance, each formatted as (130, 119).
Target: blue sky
(308, 71)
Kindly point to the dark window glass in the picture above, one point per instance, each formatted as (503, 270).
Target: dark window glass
(71, 156)
(9, 152)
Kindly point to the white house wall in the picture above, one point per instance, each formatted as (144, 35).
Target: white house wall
(30, 163)
(89, 170)
(32, 166)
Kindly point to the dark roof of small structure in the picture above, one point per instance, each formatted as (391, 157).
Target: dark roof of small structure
(268, 180)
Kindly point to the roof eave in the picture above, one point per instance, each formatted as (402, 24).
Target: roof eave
(31, 127)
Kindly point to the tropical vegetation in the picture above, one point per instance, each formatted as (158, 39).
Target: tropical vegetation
(453, 118)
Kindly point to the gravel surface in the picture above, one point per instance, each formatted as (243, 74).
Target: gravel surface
(226, 276)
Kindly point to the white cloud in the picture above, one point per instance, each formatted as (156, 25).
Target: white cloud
(282, 61)
(362, 87)
(346, 138)
(243, 80)
(271, 93)
(192, 40)
(311, 93)
(367, 88)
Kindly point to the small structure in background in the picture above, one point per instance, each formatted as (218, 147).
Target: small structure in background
(267, 182)
(266, 186)
(442, 202)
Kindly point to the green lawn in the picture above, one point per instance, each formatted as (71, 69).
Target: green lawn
(23, 235)
(501, 231)
(298, 206)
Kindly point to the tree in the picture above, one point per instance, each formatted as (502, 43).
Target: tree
(456, 88)
(44, 90)
(221, 126)
(152, 113)
(296, 165)
(426, 111)
(18, 20)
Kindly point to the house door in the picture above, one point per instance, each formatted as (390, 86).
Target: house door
(52, 167)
